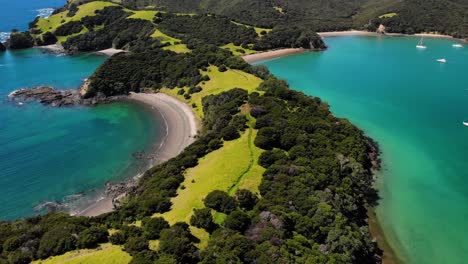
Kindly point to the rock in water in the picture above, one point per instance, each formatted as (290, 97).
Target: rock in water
(48, 96)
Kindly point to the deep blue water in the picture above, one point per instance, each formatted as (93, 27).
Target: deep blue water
(17, 14)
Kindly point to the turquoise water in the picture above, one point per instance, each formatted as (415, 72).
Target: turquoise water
(49, 153)
(414, 107)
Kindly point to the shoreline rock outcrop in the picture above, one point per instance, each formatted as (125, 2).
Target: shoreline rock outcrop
(58, 98)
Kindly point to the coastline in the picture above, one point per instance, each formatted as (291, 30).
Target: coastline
(273, 54)
(180, 127)
(58, 49)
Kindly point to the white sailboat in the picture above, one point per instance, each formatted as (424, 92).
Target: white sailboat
(457, 45)
(465, 123)
(442, 60)
(421, 44)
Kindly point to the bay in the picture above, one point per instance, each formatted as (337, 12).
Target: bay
(414, 107)
(47, 153)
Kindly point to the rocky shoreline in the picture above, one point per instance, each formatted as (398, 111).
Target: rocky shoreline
(58, 98)
(68, 98)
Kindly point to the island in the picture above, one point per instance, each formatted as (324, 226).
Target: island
(255, 172)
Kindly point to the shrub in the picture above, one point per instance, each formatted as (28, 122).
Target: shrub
(246, 199)
(91, 237)
(222, 68)
(69, 28)
(135, 245)
(21, 40)
(118, 238)
(237, 220)
(220, 201)
(202, 218)
(152, 227)
(230, 133)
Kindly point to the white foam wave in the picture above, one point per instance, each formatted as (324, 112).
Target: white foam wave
(4, 36)
(44, 12)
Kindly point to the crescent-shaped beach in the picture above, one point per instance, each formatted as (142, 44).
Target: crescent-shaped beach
(180, 126)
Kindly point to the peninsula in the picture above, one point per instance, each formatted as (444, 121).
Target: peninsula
(250, 171)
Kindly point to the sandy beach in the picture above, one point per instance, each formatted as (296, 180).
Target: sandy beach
(268, 55)
(181, 130)
(110, 52)
(54, 48)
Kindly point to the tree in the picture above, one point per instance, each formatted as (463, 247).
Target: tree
(220, 201)
(237, 220)
(230, 133)
(47, 39)
(135, 245)
(2, 47)
(57, 241)
(21, 40)
(118, 238)
(91, 237)
(177, 243)
(246, 199)
(202, 218)
(152, 227)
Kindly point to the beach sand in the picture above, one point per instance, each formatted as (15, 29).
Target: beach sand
(268, 55)
(54, 48)
(110, 52)
(181, 130)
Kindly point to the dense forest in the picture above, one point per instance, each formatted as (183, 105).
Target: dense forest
(446, 17)
(413, 16)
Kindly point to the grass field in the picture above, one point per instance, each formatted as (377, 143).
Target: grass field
(164, 38)
(234, 49)
(53, 22)
(143, 14)
(232, 167)
(257, 29)
(388, 15)
(229, 168)
(219, 82)
(178, 48)
(61, 39)
(106, 254)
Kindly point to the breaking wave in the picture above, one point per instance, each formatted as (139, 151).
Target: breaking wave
(44, 12)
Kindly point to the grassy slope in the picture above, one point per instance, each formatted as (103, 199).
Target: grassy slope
(53, 22)
(143, 14)
(233, 48)
(258, 30)
(106, 254)
(163, 38)
(229, 168)
(219, 82)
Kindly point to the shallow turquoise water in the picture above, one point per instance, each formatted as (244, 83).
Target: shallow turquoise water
(414, 107)
(48, 153)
